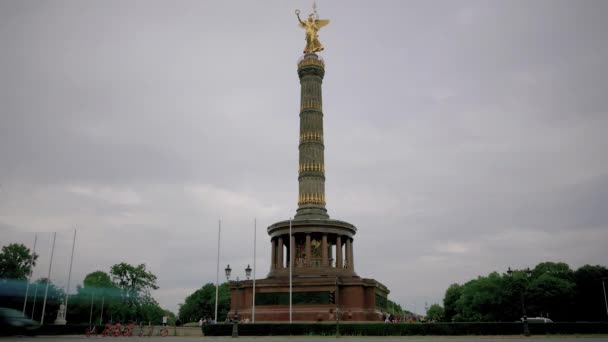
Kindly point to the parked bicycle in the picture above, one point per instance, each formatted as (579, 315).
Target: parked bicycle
(145, 332)
(107, 330)
(128, 330)
(91, 331)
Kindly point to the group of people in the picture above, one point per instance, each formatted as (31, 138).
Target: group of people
(231, 319)
(209, 320)
(390, 318)
(205, 321)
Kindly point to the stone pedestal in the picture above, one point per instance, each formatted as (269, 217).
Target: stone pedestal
(355, 297)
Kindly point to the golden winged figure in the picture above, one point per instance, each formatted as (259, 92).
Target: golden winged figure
(312, 25)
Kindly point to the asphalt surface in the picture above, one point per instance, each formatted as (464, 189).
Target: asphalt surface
(583, 338)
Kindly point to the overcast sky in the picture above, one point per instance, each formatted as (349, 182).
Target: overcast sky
(462, 137)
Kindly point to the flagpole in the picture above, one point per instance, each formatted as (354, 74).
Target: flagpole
(217, 272)
(29, 279)
(48, 280)
(255, 227)
(103, 300)
(91, 314)
(67, 293)
(290, 274)
(34, 305)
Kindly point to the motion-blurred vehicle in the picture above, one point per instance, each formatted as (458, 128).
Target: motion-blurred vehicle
(15, 322)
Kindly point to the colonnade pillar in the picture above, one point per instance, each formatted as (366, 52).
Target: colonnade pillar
(344, 258)
(280, 253)
(324, 250)
(349, 261)
(273, 254)
(308, 251)
(338, 251)
(292, 250)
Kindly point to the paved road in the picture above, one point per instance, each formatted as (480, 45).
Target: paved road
(319, 339)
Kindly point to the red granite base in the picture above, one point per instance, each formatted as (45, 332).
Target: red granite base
(356, 299)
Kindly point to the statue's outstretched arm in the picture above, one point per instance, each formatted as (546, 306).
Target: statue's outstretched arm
(298, 15)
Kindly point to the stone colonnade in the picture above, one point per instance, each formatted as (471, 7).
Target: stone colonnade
(313, 250)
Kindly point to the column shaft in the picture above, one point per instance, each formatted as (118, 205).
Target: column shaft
(324, 249)
(273, 254)
(308, 252)
(338, 251)
(280, 254)
(351, 257)
(348, 260)
(311, 171)
(292, 250)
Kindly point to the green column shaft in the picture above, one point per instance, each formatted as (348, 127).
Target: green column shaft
(311, 197)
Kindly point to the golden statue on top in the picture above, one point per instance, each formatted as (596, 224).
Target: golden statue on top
(312, 25)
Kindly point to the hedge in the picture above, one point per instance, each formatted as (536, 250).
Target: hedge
(363, 329)
(387, 329)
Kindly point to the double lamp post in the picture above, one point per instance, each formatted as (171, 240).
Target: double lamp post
(237, 283)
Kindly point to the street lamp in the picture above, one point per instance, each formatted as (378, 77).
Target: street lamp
(248, 272)
(528, 274)
(235, 321)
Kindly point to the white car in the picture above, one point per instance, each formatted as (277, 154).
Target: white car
(538, 320)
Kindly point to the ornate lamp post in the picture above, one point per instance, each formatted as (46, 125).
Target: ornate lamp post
(235, 320)
(528, 274)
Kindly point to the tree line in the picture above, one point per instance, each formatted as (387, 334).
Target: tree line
(122, 294)
(550, 289)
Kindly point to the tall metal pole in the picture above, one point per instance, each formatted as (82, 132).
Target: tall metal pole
(605, 301)
(217, 272)
(91, 314)
(103, 299)
(290, 275)
(34, 305)
(67, 293)
(255, 227)
(29, 279)
(48, 280)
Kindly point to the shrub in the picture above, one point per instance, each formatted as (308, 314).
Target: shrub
(385, 329)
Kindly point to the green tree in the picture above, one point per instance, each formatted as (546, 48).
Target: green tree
(201, 303)
(15, 261)
(452, 295)
(435, 313)
(482, 299)
(589, 297)
(152, 312)
(551, 291)
(555, 269)
(97, 290)
(98, 279)
(134, 284)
